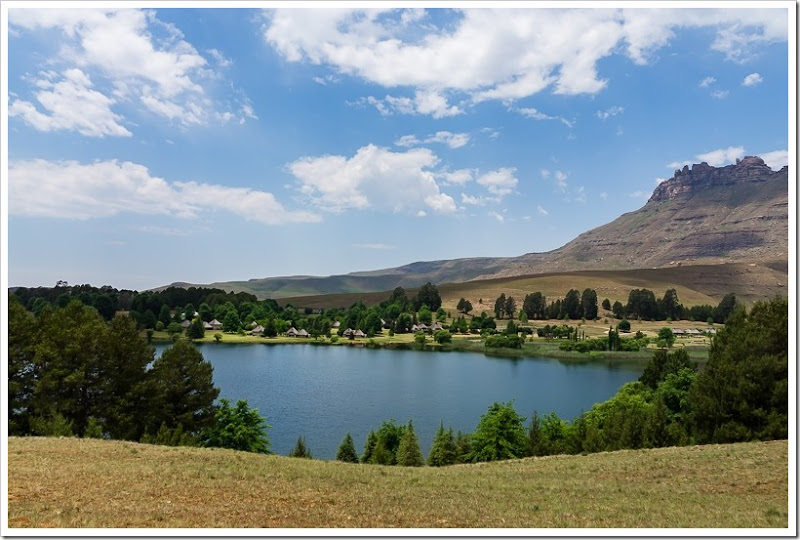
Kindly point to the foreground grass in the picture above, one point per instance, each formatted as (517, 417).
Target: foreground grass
(91, 483)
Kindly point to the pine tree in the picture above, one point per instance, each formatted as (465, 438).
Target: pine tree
(347, 450)
(369, 447)
(300, 449)
(408, 452)
(443, 451)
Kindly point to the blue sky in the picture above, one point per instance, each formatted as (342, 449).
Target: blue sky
(152, 145)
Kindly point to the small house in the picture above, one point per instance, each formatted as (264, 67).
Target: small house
(337, 324)
(186, 324)
(215, 324)
(207, 326)
(257, 331)
(348, 332)
(292, 332)
(302, 333)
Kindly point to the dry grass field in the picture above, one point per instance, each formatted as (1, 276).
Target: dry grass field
(699, 284)
(91, 483)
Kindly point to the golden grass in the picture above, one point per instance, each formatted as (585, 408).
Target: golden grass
(91, 483)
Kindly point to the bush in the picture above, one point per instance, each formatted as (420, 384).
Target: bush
(503, 341)
(624, 325)
(238, 428)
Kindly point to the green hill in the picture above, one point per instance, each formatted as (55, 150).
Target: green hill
(92, 483)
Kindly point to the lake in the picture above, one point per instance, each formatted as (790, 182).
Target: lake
(322, 392)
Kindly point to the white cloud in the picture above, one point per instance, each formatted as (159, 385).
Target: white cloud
(453, 140)
(708, 81)
(561, 180)
(545, 173)
(374, 178)
(720, 94)
(608, 113)
(640, 194)
(530, 112)
(604, 196)
(470, 199)
(659, 180)
(163, 231)
(220, 58)
(499, 217)
(500, 54)
(676, 165)
(752, 80)
(581, 195)
(458, 177)
(424, 102)
(775, 159)
(499, 182)
(722, 156)
(422, 213)
(136, 56)
(70, 104)
(71, 190)
(541, 211)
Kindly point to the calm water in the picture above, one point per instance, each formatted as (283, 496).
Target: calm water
(324, 392)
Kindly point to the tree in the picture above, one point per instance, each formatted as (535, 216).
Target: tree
(21, 367)
(667, 336)
(300, 450)
(442, 336)
(742, 392)
(196, 330)
(185, 389)
(670, 307)
(441, 315)
(464, 306)
(419, 338)
(663, 364)
(589, 303)
(500, 306)
(642, 304)
(387, 440)
(443, 450)
(174, 328)
(624, 325)
(510, 307)
(369, 447)
(424, 315)
(408, 451)
(238, 428)
(534, 306)
(347, 450)
(500, 434)
(231, 322)
(618, 310)
(725, 308)
(428, 295)
(164, 315)
(572, 305)
(607, 304)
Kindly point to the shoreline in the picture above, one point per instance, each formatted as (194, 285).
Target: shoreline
(530, 349)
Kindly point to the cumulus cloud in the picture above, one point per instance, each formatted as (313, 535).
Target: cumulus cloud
(752, 80)
(500, 182)
(722, 156)
(70, 104)
(775, 159)
(501, 54)
(458, 177)
(608, 113)
(374, 177)
(720, 94)
(453, 140)
(138, 58)
(72, 190)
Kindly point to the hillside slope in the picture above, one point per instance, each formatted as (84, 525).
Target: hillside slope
(93, 483)
(703, 215)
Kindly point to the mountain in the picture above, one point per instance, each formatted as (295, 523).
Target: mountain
(702, 215)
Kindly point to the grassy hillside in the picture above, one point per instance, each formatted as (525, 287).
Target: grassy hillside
(91, 483)
(700, 284)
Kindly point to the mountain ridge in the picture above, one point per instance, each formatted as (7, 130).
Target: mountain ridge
(702, 215)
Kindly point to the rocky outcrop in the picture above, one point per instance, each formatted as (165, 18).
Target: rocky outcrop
(751, 170)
